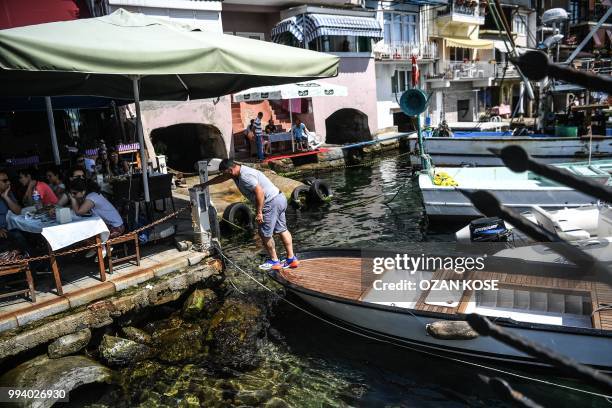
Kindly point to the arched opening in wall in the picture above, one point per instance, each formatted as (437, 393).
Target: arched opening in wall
(403, 122)
(187, 143)
(347, 126)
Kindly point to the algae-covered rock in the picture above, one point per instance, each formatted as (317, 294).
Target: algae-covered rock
(179, 343)
(201, 303)
(69, 344)
(276, 403)
(234, 333)
(117, 351)
(137, 335)
(63, 373)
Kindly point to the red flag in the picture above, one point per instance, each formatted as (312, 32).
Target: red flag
(415, 71)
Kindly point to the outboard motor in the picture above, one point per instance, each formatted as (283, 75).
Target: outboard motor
(491, 229)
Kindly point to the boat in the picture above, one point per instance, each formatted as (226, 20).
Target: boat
(520, 191)
(470, 148)
(570, 224)
(545, 302)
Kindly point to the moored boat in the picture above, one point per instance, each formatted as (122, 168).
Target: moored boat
(472, 148)
(519, 191)
(568, 314)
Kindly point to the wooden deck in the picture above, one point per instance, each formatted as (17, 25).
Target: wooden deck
(343, 277)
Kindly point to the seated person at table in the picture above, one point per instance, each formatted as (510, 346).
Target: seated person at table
(85, 197)
(118, 166)
(28, 179)
(9, 239)
(300, 134)
(77, 172)
(102, 163)
(270, 127)
(88, 164)
(58, 186)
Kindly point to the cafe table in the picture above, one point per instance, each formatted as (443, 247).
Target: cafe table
(59, 236)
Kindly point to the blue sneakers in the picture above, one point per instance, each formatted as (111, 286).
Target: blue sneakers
(270, 264)
(291, 262)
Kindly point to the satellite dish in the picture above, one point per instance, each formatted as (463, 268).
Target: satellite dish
(552, 16)
(413, 102)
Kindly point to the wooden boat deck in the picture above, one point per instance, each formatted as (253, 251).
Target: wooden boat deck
(342, 277)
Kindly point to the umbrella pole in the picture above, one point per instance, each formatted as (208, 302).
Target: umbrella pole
(143, 155)
(56, 155)
(291, 122)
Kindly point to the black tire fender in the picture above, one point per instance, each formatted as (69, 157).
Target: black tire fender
(238, 214)
(320, 191)
(309, 180)
(296, 202)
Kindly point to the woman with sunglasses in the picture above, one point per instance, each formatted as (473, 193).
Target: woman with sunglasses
(85, 198)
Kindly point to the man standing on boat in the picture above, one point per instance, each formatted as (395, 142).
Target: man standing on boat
(270, 206)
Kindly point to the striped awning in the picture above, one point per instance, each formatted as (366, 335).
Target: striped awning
(318, 25)
(468, 43)
(292, 25)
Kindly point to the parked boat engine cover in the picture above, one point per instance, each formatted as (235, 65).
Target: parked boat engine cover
(490, 229)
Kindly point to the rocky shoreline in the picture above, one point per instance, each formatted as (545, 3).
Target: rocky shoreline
(129, 356)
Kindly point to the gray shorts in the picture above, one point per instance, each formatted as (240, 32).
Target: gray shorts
(274, 221)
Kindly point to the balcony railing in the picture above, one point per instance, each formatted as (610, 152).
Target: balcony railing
(404, 50)
(462, 11)
(511, 71)
(470, 70)
(581, 12)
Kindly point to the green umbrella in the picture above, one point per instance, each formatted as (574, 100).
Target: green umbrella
(126, 55)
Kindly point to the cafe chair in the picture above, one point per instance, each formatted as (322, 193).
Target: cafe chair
(123, 240)
(19, 268)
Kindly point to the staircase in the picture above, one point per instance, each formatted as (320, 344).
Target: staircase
(243, 112)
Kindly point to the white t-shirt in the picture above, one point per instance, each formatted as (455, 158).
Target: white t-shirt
(105, 210)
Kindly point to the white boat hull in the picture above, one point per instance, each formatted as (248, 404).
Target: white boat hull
(473, 151)
(449, 202)
(408, 329)
(519, 191)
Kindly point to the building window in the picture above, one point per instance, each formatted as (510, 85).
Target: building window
(519, 25)
(400, 81)
(460, 54)
(400, 28)
(341, 43)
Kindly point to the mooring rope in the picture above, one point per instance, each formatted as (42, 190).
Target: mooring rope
(329, 322)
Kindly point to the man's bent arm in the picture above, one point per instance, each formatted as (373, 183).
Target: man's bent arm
(259, 198)
(217, 180)
(12, 204)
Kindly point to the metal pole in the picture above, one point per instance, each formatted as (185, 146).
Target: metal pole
(291, 121)
(56, 155)
(143, 155)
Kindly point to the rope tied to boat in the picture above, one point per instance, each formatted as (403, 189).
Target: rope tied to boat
(392, 341)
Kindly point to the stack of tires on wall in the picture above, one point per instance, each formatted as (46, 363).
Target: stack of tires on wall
(238, 217)
(314, 192)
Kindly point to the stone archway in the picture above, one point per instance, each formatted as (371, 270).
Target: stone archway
(185, 144)
(347, 126)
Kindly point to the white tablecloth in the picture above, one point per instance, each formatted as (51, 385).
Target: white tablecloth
(61, 235)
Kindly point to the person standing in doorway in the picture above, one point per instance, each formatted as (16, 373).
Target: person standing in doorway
(258, 130)
(270, 204)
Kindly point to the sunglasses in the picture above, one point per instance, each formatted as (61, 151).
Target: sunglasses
(4, 180)
(80, 160)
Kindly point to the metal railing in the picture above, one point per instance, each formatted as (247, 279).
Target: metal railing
(468, 8)
(404, 50)
(468, 70)
(510, 70)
